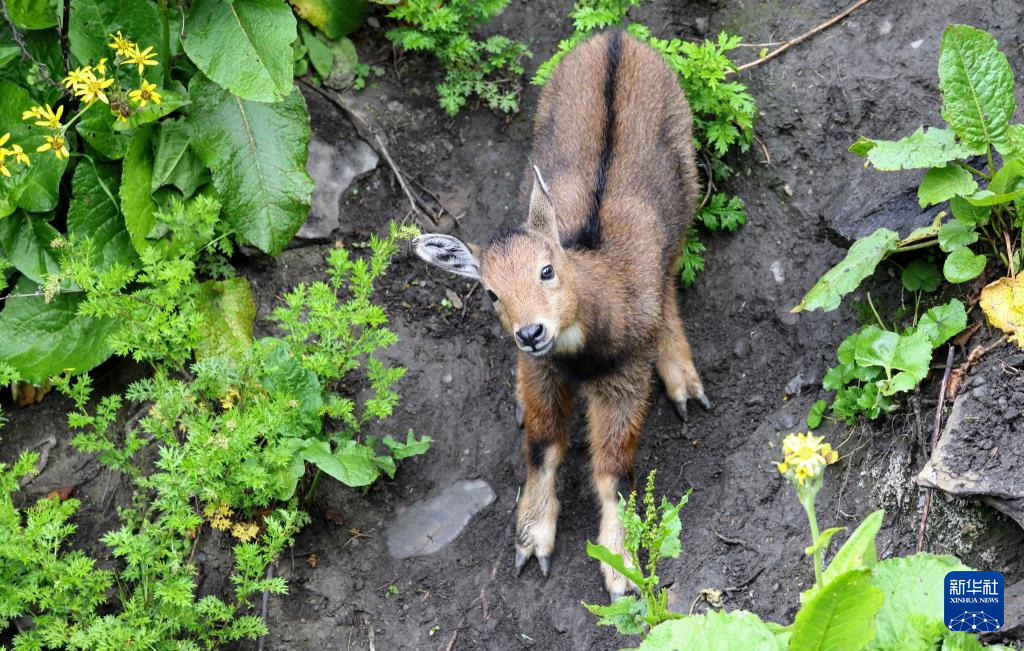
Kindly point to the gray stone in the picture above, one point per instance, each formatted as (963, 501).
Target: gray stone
(875, 200)
(333, 167)
(429, 525)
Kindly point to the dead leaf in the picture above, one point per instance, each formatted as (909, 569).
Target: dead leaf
(965, 336)
(454, 298)
(1003, 303)
(311, 561)
(335, 517)
(64, 493)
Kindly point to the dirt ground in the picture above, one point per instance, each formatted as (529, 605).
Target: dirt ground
(743, 530)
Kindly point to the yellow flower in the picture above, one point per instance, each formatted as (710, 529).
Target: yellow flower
(120, 44)
(102, 66)
(245, 531)
(142, 58)
(219, 515)
(3, 169)
(33, 113)
(19, 155)
(145, 93)
(47, 118)
(55, 144)
(79, 77)
(806, 456)
(228, 401)
(95, 90)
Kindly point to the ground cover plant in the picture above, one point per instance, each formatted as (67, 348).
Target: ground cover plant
(723, 110)
(977, 166)
(856, 602)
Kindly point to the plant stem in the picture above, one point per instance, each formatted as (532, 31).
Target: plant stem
(919, 245)
(973, 170)
(312, 487)
(875, 312)
(812, 518)
(165, 31)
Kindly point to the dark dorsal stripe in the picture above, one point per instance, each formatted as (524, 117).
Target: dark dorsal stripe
(589, 237)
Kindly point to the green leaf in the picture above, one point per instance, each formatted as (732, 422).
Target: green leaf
(624, 614)
(287, 476)
(913, 607)
(904, 358)
(351, 464)
(823, 540)
(989, 198)
(40, 339)
(963, 641)
(318, 50)
(97, 129)
(34, 187)
(968, 213)
(175, 163)
(410, 448)
(257, 153)
(137, 20)
(962, 265)
(955, 234)
(333, 18)
(244, 46)
(614, 561)
(943, 183)
(26, 240)
(943, 321)
(713, 631)
(286, 379)
(859, 263)
(858, 551)
(924, 148)
(816, 413)
(977, 86)
(8, 53)
(841, 617)
(33, 14)
(921, 275)
(94, 213)
(227, 311)
(137, 203)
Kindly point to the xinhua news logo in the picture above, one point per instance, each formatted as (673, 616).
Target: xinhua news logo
(974, 601)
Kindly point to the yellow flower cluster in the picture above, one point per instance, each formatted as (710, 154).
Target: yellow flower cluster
(245, 531)
(15, 152)
(45, 116)
(806, 456)
(219, 515)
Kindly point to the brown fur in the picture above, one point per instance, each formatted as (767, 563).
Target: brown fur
(613, 143)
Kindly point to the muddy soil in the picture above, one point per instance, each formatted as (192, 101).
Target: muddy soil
(743, 531)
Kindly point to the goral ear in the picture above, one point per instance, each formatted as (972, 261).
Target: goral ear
(542, 216)
(448, 253)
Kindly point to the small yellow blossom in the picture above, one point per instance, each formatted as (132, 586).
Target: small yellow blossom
(141, 58)
(245, 531)
(229, 400)
(3, 169)
(219, 515)
(47, 117)
(55, 144)
(806, 455)
(35, 113)
(101, 67)
(79, 77)
(95, 90)
(145, 93)
(120, 44)
(19, 155)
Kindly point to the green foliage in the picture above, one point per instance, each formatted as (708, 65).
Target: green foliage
(654, 536)
(723, 111)
(876, 363)
(487, 69)
(333, 62)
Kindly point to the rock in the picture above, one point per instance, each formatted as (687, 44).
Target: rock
(874, 200)
(429, 525)
(333, 167)
(778, 272)
(1013, 616)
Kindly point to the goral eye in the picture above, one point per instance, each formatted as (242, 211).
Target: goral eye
(547, 273)
(491, 295)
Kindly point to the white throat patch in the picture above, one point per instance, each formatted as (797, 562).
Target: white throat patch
(570, 340)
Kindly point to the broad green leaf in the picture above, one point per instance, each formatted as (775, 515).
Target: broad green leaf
(1014, 145)
(174, 162)
(40, 339)
(921, 275)
(34, 14)
(987, 197)
(257, 153)
(924, 148)
(333, 18)
(841, 617)
(962, 265)
(287, 380)
(26, 240)
(97, 129)
(859, 263)
(977, 86)
(137, 202)
(913, 609)
(318, 50)
(32, 187)
(910, 354)
(244, 46)
(345, 61)
(410, 448)
(955, 234)
(816, 413)
(963, 641)
(137, 20)
(943, 183)
(1007, 178)
(858, 552)
(171, 100)
(943, 321)
(95, 213)
(713, 631)
(8, 53)
(287, 476)
(227, 310)
(967, 213)
(624, 614)
(614, 561)
(351, 464)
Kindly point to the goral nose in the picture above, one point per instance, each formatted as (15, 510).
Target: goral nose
(530, 335)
